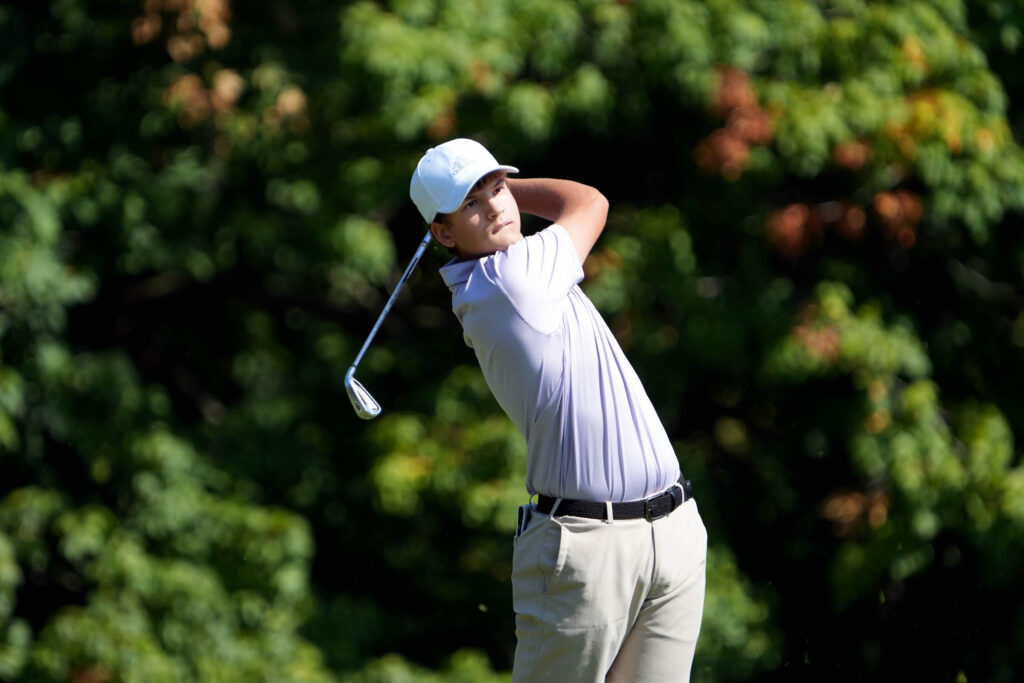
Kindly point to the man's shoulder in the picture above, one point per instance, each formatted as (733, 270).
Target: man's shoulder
(540, 266)
(543, 242)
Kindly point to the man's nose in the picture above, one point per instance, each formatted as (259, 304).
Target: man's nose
(493, 206)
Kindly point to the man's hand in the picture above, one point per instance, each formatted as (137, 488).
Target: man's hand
(578, 208)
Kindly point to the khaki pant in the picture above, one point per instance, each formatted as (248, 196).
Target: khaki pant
(608, 601)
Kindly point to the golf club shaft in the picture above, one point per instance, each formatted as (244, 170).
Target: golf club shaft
(394, 295)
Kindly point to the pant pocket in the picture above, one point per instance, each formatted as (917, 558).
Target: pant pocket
(537, 558)
(523, 517)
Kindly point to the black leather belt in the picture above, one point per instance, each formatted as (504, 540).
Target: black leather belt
(650, 509)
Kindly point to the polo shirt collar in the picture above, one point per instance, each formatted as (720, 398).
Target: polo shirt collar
(456, 272)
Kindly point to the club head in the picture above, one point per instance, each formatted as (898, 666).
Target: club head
(365, 405)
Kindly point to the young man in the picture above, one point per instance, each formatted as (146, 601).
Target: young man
(608, 565)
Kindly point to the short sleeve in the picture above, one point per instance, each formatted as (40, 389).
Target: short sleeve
(537, 275)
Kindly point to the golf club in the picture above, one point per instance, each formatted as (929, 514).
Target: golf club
(365, 405)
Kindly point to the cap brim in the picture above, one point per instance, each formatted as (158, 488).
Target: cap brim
(459, 193)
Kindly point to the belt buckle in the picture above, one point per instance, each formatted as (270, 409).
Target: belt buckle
(649, 515)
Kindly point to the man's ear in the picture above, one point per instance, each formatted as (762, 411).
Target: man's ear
(441, 234)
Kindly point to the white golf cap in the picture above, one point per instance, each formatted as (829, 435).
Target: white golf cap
(446, 174)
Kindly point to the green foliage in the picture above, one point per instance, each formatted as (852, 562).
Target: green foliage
(736, 634)
(464, 666)
(474, 459)
(831, 338)
(813, 260)
(36, 284)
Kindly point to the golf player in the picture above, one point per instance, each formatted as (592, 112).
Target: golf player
(609, 562)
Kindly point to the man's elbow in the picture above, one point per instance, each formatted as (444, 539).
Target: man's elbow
(598, 203)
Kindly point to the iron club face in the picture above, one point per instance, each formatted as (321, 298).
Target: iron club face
(365, 405)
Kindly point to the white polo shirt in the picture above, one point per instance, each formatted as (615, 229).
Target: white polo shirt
(555, 368)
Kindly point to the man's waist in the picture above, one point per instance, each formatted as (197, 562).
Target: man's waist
(650, 508)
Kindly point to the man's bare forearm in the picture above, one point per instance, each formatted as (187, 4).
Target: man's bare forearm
(579, 208)
(549, 198)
